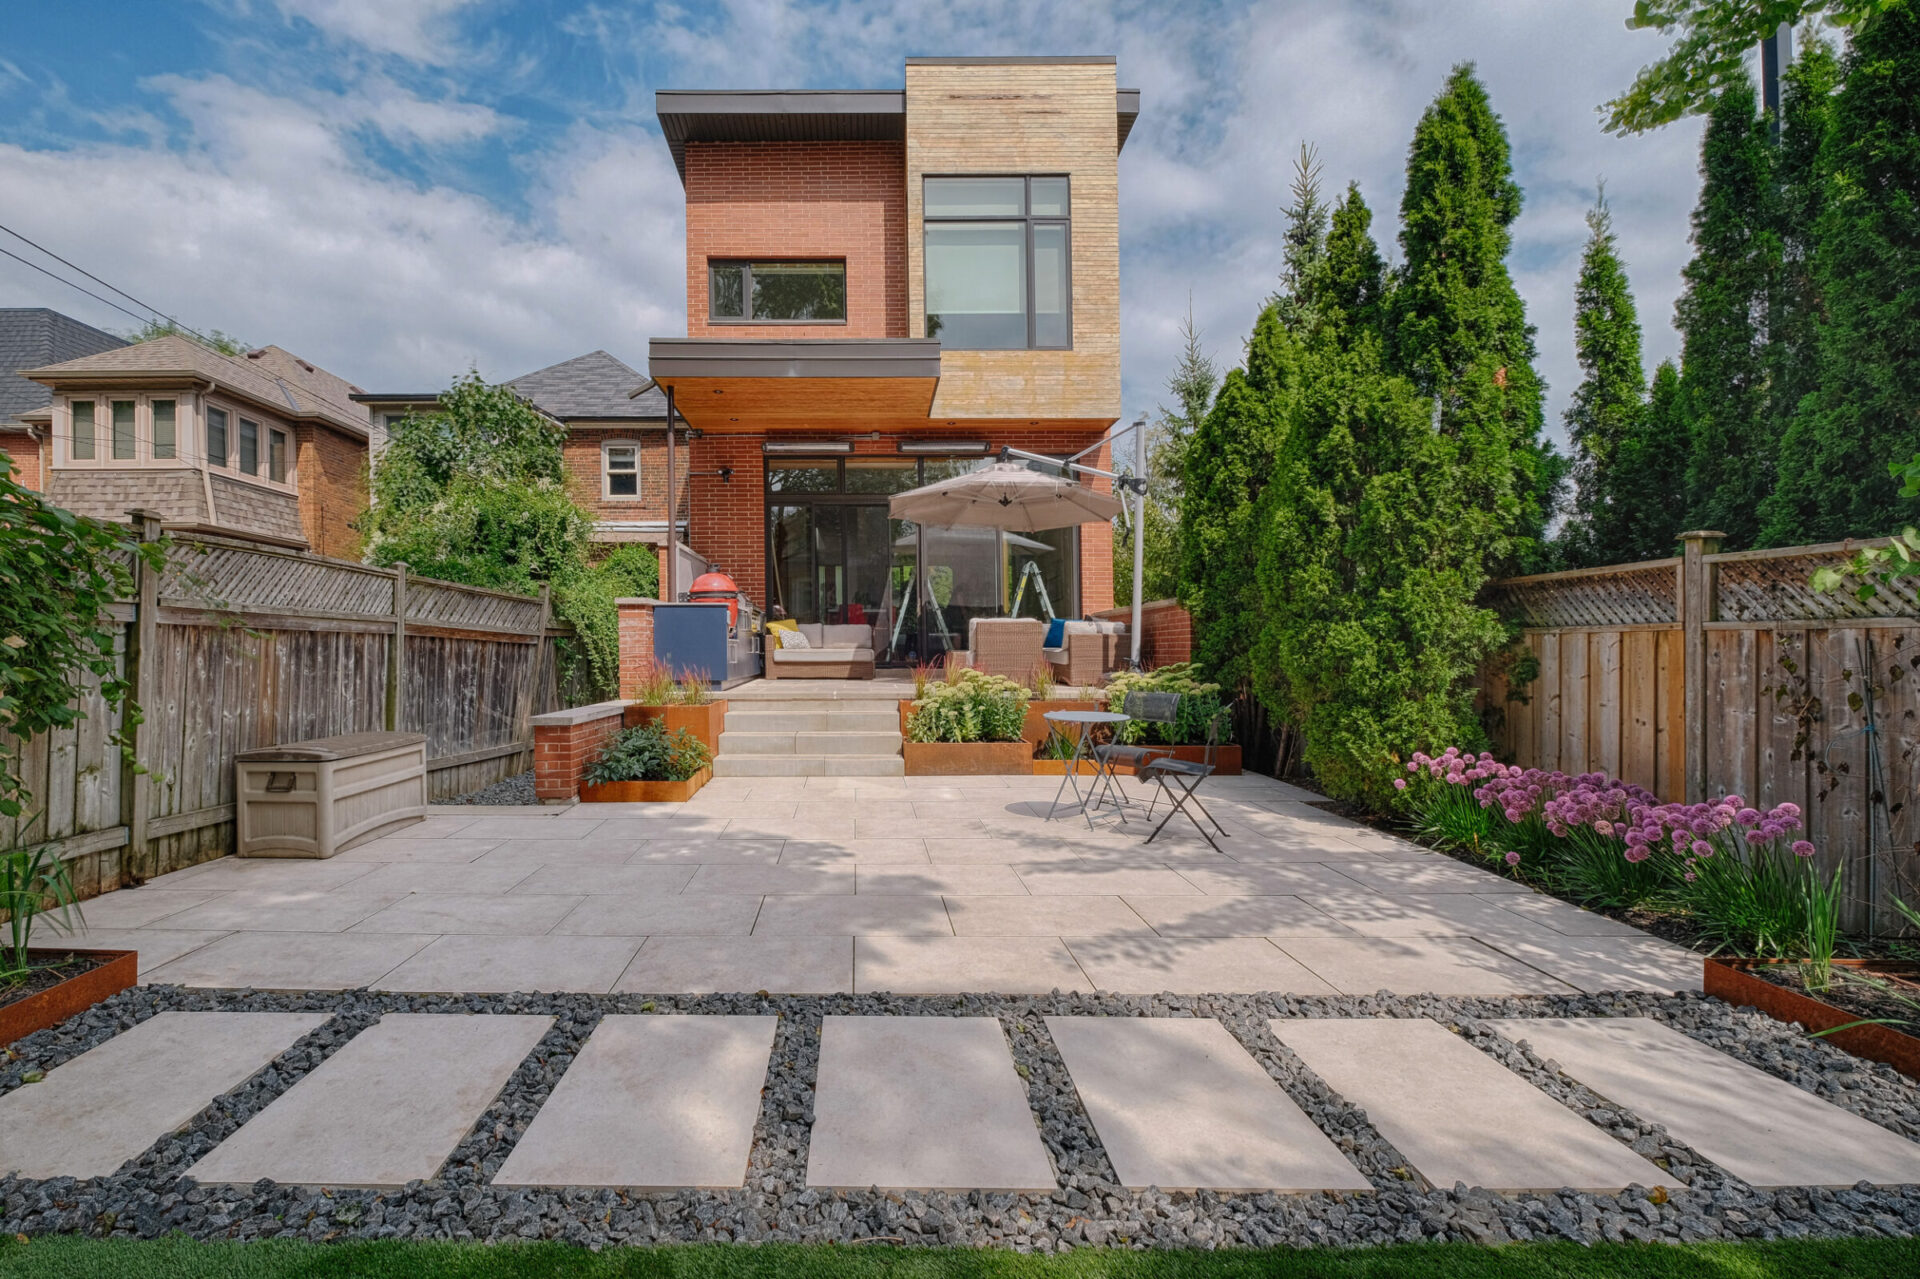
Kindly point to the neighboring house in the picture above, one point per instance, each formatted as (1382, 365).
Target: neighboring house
(31, 336)
(883, 288)
(264, 444)
(615, 449)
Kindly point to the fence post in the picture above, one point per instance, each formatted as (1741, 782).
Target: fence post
(524, 720)
(397, 654)
(1697, 599)
(136, 787)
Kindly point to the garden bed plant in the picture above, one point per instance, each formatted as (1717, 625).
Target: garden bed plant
(41, 987)
(647, 763)
(683, 701)
(968, 723)
(1201, 707)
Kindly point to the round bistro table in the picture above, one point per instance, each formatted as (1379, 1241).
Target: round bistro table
(1084, 723)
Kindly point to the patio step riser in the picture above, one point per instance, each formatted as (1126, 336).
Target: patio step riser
(783, 721)
(809, 766)
(732, 743)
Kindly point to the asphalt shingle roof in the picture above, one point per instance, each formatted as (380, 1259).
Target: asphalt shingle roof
(31, 336)
(594, 385)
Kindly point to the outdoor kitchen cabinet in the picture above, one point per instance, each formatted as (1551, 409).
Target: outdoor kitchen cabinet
(321, 797)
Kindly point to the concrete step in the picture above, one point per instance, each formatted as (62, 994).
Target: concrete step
(813, 721)
(809, 766)
(835, 743)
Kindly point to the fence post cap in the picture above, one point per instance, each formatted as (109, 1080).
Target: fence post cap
(1703, 535)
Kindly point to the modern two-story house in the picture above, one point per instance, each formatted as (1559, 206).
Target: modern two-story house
(883, 289)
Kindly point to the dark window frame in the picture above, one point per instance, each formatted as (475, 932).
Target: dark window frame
(1029, 220)
(745, 268)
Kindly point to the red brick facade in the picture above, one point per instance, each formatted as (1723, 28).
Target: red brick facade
(582, 454)
(561, 751)
(636, 643)
(844, 200)
(23, 451)
(1166, 631)
(333, 489)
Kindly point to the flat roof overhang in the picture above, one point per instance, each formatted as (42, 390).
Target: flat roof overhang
(730, 385)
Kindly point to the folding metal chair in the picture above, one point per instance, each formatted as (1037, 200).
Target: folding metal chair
(1179, 781)
(1148, 708)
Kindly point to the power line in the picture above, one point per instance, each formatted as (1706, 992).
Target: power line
(70, 284)
(154, 310)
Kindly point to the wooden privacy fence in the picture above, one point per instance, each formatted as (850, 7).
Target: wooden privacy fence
(1723, 673)
(235, 646)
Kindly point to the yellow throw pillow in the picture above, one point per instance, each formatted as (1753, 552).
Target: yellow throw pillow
(784, 624)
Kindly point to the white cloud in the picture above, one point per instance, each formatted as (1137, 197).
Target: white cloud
(420, 30)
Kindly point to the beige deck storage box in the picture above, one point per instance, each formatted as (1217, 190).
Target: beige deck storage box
(318, 798)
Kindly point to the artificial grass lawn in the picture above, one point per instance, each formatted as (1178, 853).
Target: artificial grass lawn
(75, 1258)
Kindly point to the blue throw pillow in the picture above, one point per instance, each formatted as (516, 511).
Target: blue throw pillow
(1056, 632)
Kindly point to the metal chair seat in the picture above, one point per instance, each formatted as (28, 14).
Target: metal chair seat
(1188, 767)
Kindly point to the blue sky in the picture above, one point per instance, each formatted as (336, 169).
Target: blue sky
(399, 189)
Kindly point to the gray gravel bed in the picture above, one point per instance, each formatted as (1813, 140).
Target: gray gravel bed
(151, 1196)
(517, 789)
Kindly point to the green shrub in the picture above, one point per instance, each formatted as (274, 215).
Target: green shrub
(971, 706)
(1200, 706)
(649, 753)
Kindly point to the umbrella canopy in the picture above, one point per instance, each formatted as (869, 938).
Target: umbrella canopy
(1005, 495)
(967, 537)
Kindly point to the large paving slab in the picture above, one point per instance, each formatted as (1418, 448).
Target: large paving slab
(501, 965)
(95, 1112)
(157, 947)
(1228, 965)
(952, 965)
(928, 1103)
(291, 961)
(1457, 1114)
(651, 1103)
(386, 1109)
(1594, 964)
(706, 965)
(647, 915)
(1179, 1104)
(1761, 1129)
(1418, 966)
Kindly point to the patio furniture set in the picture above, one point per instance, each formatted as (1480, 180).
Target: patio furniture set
(1178, 780)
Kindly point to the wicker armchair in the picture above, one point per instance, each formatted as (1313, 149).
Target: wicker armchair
(1088, 650)
(1009, 646)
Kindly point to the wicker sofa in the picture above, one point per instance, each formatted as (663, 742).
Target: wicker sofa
(1087, 651)
(832, 652)
(1008, 646)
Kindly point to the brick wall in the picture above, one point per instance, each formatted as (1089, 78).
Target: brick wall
(561, 749)
(23, 451)
(581, 453)
(1166, 631)
(333, 489)
(636, 642)
(802, 200)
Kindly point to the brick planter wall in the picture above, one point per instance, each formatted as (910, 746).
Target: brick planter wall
(564, 741)
(1166, 631)
(636, 641)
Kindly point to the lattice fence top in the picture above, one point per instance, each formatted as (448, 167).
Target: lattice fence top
(1772, 587)
(219, 575)
(466, 608)
(1630, 595)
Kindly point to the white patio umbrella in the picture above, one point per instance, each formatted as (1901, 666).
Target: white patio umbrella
(1005, 495)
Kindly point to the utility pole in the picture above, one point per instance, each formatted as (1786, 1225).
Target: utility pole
(1776, 53)
(1139, 527)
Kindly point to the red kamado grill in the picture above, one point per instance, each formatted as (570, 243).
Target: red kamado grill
(715, 587)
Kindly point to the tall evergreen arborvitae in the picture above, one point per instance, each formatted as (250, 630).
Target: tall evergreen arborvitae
(1193, 382)
(1609, 404)
(1228, 459)
(1800, 166)
(1649, 476)
(1374, 542)
(1722, 321)
(1460, 330)
(1865, 412)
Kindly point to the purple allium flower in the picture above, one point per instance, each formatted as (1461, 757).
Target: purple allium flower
(1701, 848)
(1513, 859)
(1399, 783)
(1801, 848)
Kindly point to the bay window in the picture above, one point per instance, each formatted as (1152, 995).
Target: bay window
(998, 269)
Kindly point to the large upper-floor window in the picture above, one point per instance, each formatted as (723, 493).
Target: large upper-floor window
(998, 269)
(777, 292)
(162, 431)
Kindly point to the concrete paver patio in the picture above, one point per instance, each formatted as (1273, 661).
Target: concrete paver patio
(955, 884)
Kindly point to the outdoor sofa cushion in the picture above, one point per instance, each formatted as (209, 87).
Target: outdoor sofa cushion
(790, 656)
(846, 636)
(793, 641)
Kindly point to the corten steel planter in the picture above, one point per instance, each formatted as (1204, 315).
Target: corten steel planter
(644, 792)
(1734, 981)
(704, 722)
(1058, 768)
(76, 994)
(1037, 730)
(967, 759)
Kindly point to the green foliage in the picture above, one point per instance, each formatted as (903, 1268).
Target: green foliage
(214, 339)
(1193, 384)
(969, 706)
(648, 753)
(1459, 326)
(1609, 405)
(1649, 475)
(1201, 710)
(1867, 273)
(476, 493)
(59, 574)
(1873, 567)
(1713, 40)
(1722, 321)
(33, 883)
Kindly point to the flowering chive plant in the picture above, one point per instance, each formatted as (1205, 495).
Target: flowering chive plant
(1598, 839)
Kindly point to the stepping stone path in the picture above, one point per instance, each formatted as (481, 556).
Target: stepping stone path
(99, 1110)
(651, 1103)
(1179, 1104)
(386, 1109)
(907, 1102)
(1457, 1114)
(1761, 1129)
(923, 1103)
